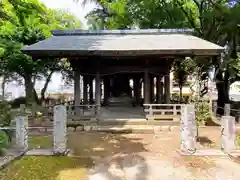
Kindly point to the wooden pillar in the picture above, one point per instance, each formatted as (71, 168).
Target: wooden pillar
(159, 89)
(77, 92)
(106, 82)
(146, 87)
(91, 89)
(167, 88)
(77, 88)
(137, 89)
(85, 89)
(151, 83)
(98, 94)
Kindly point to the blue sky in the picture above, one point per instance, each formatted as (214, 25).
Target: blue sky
(56, 83)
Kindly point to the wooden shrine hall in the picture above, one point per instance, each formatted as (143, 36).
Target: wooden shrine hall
(108, 60)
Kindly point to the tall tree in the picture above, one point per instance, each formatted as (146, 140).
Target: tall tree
(31, 26)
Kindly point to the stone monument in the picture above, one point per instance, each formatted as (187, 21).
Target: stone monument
(22, 132)
(59, 129)
(228, 133)
(188, 129)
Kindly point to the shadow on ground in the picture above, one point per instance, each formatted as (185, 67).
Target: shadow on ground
(104, 144)
(204, 141)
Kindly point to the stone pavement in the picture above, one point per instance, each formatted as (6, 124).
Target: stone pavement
(12, 154)
(138, 167)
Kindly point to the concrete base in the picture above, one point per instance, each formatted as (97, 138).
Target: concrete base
(209, 152)
(42, 152)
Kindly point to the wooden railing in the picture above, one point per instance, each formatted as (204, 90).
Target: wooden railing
(163, 111)
(74, 112)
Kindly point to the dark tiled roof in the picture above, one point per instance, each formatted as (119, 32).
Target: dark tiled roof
(120, 32)
(128, 43)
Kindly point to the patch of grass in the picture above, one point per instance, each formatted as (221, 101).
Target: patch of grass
(238, 139)
(46, 168)
(40, 141)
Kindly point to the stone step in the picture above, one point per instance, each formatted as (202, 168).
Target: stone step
(140, 129)
(125, 122)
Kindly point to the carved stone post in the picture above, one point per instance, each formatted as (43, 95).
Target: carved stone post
(22, 129)
(59, 129)
(188, 129)
(228, 133)
(98, 94)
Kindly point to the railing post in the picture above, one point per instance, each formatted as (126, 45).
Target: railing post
(150, 112)
(175, 113)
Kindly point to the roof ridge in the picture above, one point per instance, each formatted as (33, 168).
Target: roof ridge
(78, 32)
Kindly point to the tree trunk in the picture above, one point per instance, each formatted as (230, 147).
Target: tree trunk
(222, 85)
(180, 93)
(48, 79)
(29, 89)
(3, 87)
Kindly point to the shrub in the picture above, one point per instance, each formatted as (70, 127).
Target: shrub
(5, 114)
(6, 117)
(238, 139)
(16, 102)
(203, 113)
(4, 141)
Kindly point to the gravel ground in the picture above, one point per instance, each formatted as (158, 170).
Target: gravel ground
(151, 156)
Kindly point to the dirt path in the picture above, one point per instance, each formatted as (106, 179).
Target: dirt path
(150, 157)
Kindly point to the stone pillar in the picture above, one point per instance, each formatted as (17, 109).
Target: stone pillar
(188, 129)
(59, 129)
(159, 90)
(106, 82)
(98, 94)
(77, 88)
(85, 89)
(228, 133)
(137, 89)
(146, 87)
(22, 129)
(167, 88)
(91, 90)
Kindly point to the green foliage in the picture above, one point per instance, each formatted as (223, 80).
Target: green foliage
(31, 22)
(238, 139)
(203, 113)
(17, 102)
(4, 142)
(5, 114)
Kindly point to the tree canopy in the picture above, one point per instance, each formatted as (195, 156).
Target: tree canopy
(25, 23)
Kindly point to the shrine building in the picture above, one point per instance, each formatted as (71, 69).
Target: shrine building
(109, 59)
